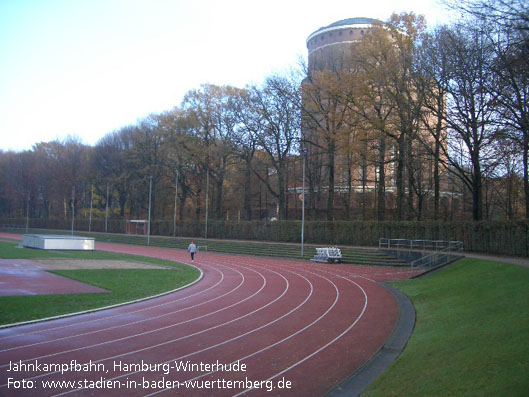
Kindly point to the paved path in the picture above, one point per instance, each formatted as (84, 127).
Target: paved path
(513, 260)
(286, 321)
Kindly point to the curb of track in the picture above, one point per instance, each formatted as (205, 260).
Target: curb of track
(360, 380)
(106, 307)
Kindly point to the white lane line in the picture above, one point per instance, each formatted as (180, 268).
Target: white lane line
(337, 295)
(237, 337)
(116, 315)
(324, 346)
(121, 325)
(173, 340)
(98, 309)
(135, 335)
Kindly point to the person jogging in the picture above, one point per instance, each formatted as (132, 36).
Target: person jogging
(192, 249)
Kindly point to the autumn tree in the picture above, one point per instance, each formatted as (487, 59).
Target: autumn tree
(328, 123)
(246, 140)
(368, 99)
(212, 112)
(112, 167)
(17, 182)
(433, 77)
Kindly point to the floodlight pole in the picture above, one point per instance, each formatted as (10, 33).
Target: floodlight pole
(175, 199)
(303, 152)
(149, 222)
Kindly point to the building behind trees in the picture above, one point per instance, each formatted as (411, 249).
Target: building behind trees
(367, 131)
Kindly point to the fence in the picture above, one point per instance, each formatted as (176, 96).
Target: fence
(410, 251)
(494, 237)
(434, 259)
(424, 245)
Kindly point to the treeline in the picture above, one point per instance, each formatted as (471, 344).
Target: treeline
(231, 144)
(419, 125)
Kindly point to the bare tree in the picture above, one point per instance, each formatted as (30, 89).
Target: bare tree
(471, 109)
(280, 122)
(327, 122)
(246, 140)
(509, 14)
(212, 110)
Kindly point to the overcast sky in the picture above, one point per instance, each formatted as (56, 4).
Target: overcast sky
(86, 68)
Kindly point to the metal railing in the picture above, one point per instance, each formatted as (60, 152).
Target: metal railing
(424, 245)
(444, 251)
(434, 259)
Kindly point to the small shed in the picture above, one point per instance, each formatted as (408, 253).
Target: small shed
(136, 226)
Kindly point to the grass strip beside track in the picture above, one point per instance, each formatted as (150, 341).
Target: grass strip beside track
(125, 284)
(471, 336)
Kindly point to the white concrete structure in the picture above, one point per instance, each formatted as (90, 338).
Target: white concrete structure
(52, 242)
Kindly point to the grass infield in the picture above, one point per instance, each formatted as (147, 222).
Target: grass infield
(471, 335)
(125, 284)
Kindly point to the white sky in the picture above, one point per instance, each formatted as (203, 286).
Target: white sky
(88, 67)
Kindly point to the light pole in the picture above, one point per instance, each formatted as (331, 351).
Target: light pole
(303, 152)
(149, 221)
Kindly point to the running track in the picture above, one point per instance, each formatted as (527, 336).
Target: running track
(308, 324)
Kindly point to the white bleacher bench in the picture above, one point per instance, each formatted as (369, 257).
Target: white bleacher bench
(328, 255)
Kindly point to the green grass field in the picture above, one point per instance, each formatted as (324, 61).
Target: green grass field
(471, 335)
(125, 284)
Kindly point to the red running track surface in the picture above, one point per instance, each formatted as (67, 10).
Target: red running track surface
(255, 326)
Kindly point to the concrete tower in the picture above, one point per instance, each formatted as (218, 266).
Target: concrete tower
(330, 46)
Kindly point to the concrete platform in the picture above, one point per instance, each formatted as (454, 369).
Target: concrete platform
(53, 242)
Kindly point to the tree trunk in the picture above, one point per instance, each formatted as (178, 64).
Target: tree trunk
(364, 182)
(247, 206)
(183, 197)
(381, 187)
(436, 182)
(330, 196)
(399, 177)
(526, 173)
(411, 180)
(218, 197)
(281, 192)
(477, 193)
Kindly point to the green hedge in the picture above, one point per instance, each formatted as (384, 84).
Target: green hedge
(495, 237)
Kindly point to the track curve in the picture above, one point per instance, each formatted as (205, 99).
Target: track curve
(251, 326)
